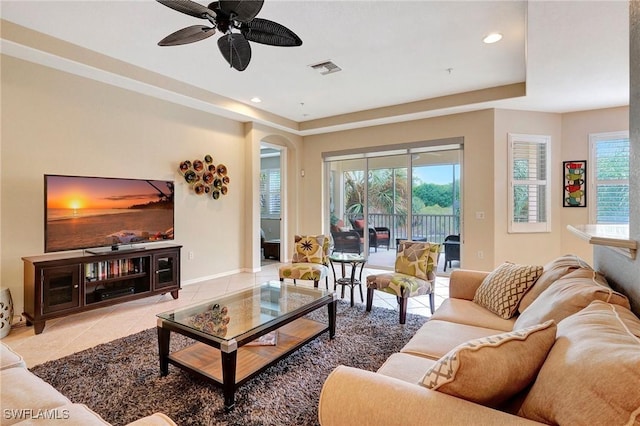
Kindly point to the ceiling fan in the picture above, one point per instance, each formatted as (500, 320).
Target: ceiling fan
(228, 15)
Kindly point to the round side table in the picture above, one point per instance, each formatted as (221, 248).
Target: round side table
(354, 260)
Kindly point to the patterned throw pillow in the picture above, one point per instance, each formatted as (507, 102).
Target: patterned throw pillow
(417, 259)
(491, 370)
(502, 290)
(308, 249)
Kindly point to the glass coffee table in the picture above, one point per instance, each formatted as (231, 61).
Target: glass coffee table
(225, 327)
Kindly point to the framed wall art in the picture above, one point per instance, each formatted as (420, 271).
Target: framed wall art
(575, 183)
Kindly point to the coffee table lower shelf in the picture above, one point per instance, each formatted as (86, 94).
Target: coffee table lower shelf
(206, 360)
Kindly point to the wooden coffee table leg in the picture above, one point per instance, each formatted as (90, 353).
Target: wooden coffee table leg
(332, 307)
(163, 350)
(229, 361)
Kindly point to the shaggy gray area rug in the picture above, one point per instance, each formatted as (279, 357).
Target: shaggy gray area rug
(120, 380)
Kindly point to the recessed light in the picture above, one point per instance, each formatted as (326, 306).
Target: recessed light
(492, 38)
(256, 100)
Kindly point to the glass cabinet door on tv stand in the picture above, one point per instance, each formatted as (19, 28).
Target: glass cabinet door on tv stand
(60, 288)
(166, 270)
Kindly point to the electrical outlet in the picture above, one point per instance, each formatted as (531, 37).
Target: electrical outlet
(480, 254)
(190, 255)
(480, 215)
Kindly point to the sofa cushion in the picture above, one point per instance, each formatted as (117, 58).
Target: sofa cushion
(9, 358)
(569, 295)
(156, 419)
(502, 289)
(28, 392)
(592, 372)
(436, 338)
(490, 370)
(406, 367)
(552, 272)
(462, 311)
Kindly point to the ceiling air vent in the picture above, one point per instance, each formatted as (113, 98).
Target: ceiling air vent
(326, 67)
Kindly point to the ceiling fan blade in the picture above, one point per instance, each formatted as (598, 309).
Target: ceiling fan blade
(187, 35)
(236, 50)
(189, 7)
(244, 10)
(269, 32)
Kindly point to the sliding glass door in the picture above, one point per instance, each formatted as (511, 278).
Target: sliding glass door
(388, 201)
(382, 198)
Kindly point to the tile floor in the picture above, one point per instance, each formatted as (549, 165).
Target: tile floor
(64, 336)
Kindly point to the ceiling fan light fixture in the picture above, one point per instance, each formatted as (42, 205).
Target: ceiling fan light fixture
(226, 16)
(492, 38)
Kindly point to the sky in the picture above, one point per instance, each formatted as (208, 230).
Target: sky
(436, 174)
(69, 192)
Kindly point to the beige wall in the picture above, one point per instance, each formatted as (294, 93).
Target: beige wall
(537, 248)
(576, 128)
(477, 180)
(53, 122)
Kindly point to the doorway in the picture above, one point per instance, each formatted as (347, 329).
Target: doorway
(271, 202)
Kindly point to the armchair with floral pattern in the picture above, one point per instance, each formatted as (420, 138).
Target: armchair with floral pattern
(414, 275)
(310, 260)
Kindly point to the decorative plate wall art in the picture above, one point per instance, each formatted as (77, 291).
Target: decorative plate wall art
(205, 177)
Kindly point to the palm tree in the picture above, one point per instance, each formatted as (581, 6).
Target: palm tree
(388, 192)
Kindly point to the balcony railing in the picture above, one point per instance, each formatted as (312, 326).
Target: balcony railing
(433, 228)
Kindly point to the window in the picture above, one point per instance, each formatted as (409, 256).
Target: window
(528, 188)
(270, 192)
(610, 177)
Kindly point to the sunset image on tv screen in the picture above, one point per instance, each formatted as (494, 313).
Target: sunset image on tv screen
(83, 212)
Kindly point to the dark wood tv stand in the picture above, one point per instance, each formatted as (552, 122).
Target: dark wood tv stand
(61, 284)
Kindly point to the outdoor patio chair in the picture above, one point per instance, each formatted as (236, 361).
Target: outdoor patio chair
(414, 275)
(378, 236)
(310, 260)
(451, 249)
(346, 242)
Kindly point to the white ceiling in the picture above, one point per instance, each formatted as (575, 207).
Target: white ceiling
(572, 55)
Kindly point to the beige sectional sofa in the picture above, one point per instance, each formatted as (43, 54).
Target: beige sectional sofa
(568, 354)
(28, 400)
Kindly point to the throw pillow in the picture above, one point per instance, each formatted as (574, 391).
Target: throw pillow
(592, 372)
(552, 272)
(569, 295)
(501, 291)
(417, 259)
(308, 249)
(490, 370)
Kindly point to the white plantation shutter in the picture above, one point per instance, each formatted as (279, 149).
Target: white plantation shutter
(610, 177)
(528, 183)
(270, 192)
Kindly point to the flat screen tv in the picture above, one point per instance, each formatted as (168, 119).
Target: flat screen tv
(84, 212)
